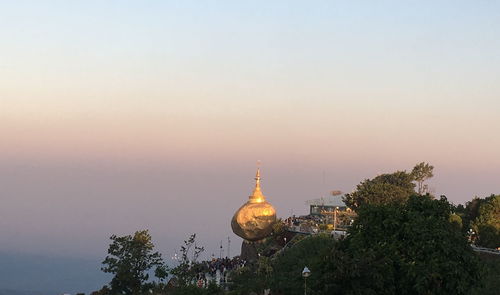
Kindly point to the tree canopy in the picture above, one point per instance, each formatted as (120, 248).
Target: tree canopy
(186, 271)
(487, 222)
(409, 248)
(420, 173)
(287, 268)
(395, 187)
(397, 248)
(130, 258)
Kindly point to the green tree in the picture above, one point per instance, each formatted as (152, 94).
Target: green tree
(469, 212)
(287, 268)
(282, 273)
(188, 267)
(211, 289)
(396, 187)
(487, 222)
(409, 248)
(472, 208)
(456, 220)
(420, 173)
(491, 281)
(413, 247)
(104, 291)
(130, 258)
(246, 280)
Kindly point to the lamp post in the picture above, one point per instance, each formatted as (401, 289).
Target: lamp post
(335, 219)
(305, 273)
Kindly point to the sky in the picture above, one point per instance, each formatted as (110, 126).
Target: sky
(117, 116)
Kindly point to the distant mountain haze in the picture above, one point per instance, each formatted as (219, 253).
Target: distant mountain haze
(24, 274)
(23, 292)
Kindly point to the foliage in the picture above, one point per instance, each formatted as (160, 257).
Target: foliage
(130, 258)
(470, 212)
(407, 248)
(275, 241)
(487, 222)
(252, 278)
(420, 173)
(186, 271)
(212, 289)
(410, 248)
(481, 217)
(279, 229)
(396, 187)
(456, 220)
(491, 281)
(161, 272)
(287, 268)
(104, 291)
(246, 281)
(283, 272)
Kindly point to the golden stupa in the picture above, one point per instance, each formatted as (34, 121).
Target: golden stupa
(254, 220)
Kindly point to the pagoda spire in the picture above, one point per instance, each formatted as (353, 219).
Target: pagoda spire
(257, 196)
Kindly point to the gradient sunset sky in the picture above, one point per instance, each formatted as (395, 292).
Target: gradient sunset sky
(121, 115)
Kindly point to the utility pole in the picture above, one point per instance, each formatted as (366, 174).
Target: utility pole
(335, 219)
(228, 247)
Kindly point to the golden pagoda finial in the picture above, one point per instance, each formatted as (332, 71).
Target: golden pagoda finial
(257, 196)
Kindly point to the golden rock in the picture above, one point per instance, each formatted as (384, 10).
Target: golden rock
(254, 220)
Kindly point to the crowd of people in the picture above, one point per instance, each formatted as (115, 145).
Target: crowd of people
(217, 269)
(224, 265)
(306, 223)
(320, 222)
